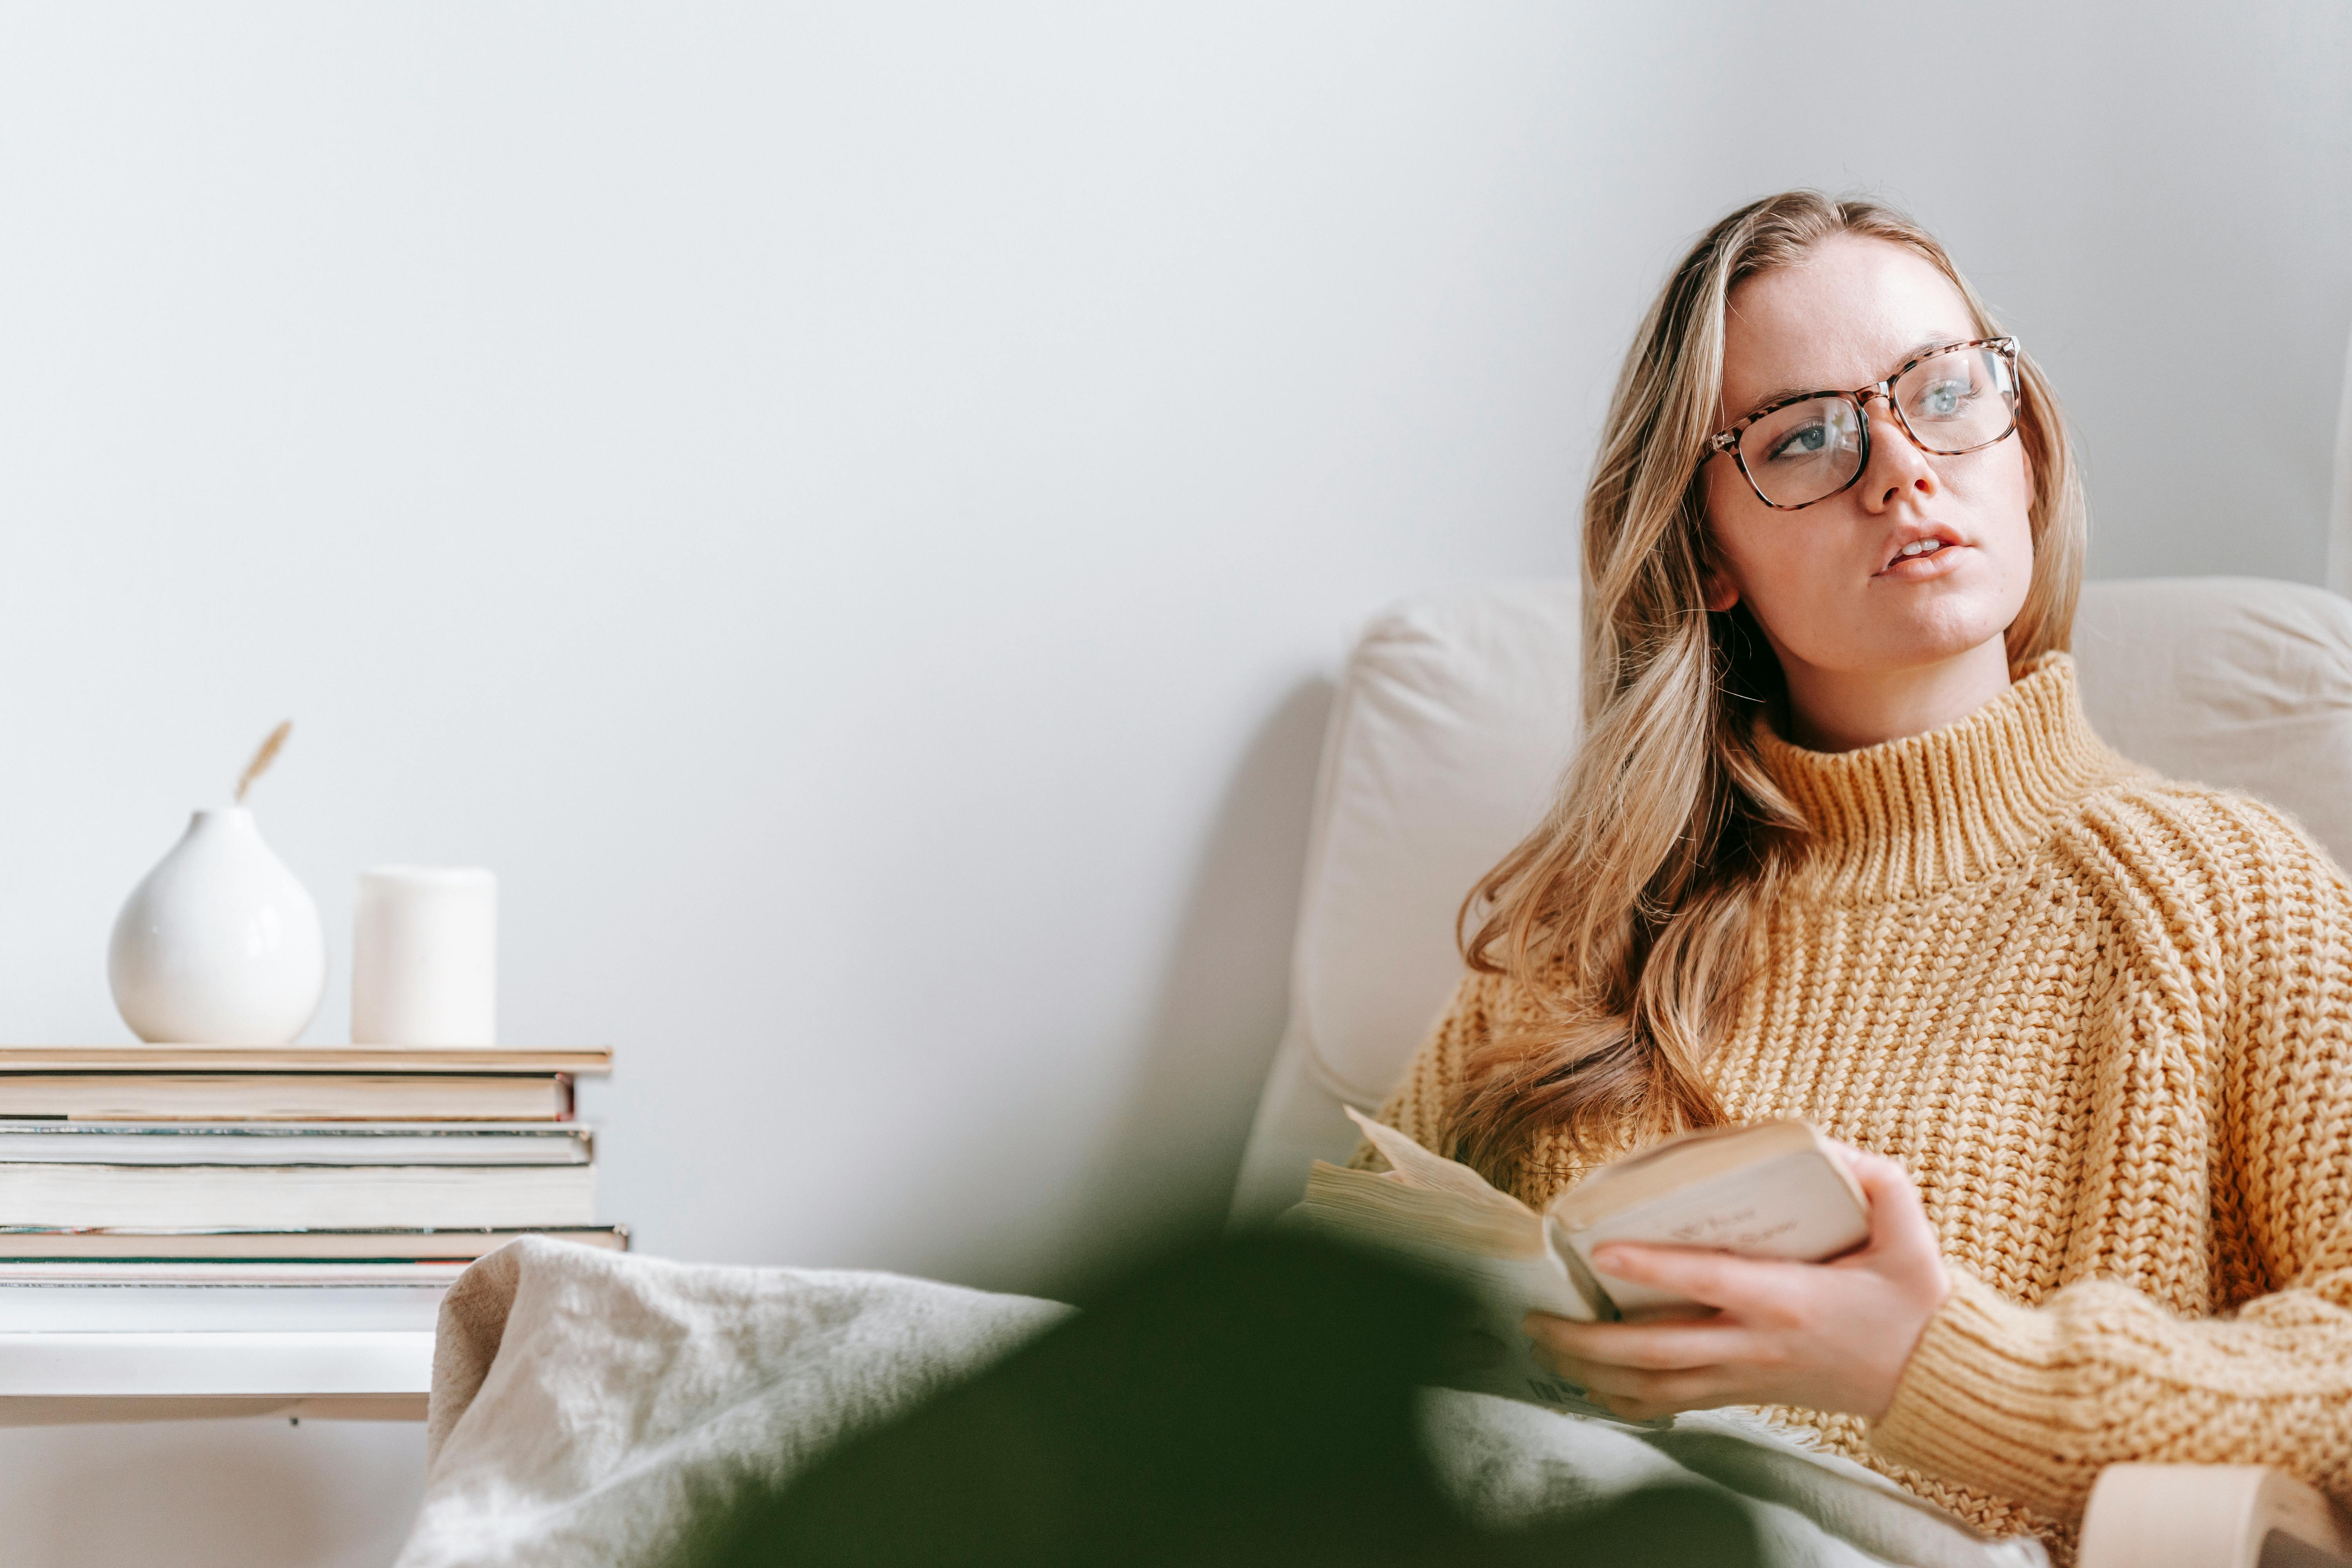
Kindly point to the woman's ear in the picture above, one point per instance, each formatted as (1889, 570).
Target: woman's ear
(1722, 593)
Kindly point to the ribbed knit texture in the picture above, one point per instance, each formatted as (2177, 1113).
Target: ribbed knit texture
(2105, 1021)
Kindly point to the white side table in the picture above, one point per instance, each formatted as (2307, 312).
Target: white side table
(48, 1379)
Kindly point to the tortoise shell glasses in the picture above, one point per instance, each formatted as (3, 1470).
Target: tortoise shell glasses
(1950, 398)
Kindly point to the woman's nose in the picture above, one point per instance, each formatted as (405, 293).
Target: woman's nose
(1897, 466)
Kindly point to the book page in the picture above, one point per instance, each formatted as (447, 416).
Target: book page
(1423, 1169)
(1383, 1203)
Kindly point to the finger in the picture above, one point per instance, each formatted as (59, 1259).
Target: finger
(1693, 1389)
(1719, 1280)
(1681, 1388)
(1658, 1391)
(1656, 1347)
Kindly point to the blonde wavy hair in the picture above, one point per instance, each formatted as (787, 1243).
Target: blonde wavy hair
(1627, 915)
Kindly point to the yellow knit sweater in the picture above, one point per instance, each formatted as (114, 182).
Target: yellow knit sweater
(2105, 1021)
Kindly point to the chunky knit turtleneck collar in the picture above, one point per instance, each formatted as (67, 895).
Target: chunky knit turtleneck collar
(1910, 816)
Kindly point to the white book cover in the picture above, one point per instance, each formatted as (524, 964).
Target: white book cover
(296, 1143)
(246, 1309)
(310, 1248)
(1795, 1207)
(296, 1196)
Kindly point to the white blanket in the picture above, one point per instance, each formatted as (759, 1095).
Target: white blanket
(579, 1396)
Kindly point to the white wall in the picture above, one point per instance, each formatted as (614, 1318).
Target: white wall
(850, 508)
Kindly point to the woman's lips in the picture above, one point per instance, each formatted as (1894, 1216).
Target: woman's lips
(1919, 568)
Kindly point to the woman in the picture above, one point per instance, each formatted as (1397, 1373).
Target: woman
(1839, 844)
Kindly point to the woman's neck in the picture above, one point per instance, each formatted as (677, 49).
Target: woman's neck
(1844, 711)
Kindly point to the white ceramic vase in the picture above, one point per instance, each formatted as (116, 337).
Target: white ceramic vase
(219, 945)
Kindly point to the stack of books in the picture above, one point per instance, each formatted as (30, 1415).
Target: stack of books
(199, 1187)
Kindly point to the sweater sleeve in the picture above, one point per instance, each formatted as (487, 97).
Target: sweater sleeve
(2033, 1402)
(1421, 1107)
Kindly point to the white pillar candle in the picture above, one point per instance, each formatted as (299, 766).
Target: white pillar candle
(424, 957)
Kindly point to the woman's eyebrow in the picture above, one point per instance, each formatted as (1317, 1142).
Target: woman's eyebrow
(1785, 392)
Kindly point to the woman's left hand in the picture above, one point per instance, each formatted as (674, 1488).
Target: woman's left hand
(1826, 1336)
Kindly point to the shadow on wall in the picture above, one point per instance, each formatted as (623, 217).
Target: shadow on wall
(1163, 1172)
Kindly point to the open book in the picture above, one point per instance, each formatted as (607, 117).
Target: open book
(1768, 1189)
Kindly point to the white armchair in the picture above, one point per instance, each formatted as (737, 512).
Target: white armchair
(1453, 721)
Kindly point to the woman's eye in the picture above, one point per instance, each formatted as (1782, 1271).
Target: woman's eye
(1805, 441)
(1942, 399)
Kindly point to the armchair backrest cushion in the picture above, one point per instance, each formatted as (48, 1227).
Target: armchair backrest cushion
(1459, 710)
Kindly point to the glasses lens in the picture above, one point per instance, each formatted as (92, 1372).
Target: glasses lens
(1959, 401)
(1799, 454)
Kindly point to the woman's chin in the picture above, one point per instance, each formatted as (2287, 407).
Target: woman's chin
(1910, 645)
(1944, 643)
(1926, 627)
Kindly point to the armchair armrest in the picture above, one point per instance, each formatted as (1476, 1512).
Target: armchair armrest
(2211, 1516)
